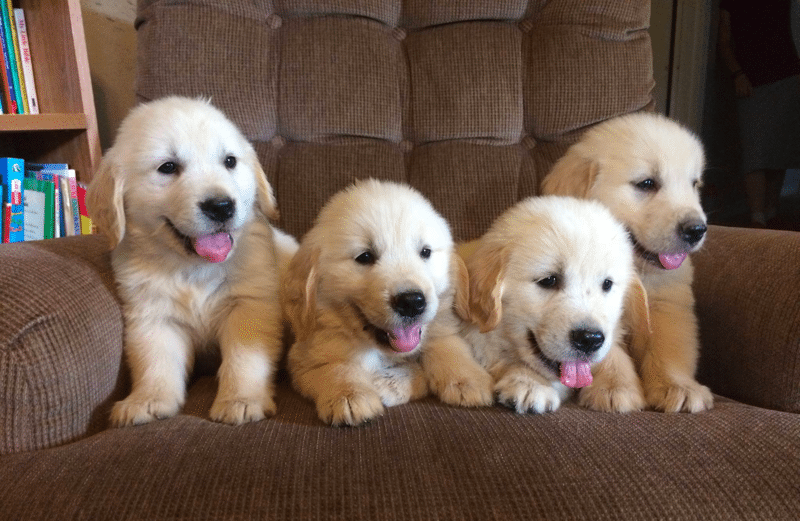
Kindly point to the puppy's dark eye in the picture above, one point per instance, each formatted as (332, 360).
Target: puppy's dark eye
(168, 168)
(425, 253)
(696, 184)
(367, 258)
(550, 282)
(230, 162)
(607, 285)
(647, 185)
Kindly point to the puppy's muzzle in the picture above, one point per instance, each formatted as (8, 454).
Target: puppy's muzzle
(218, 209)
(586, 340)
(409, 304)
(692, 232)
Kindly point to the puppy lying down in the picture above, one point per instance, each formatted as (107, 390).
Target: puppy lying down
(184, 201)
(648, 171)
(548, 287)
(370, 296)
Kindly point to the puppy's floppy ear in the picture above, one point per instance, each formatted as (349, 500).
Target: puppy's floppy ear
(636, 316)
(265, 199)
(487, 269)
(460, 277)
(104, 200)
(299, 291)
(571, 175)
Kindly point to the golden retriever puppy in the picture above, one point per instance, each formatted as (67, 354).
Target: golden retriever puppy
(647, 170)
(548, 287)
(184, 202)
(370, 296)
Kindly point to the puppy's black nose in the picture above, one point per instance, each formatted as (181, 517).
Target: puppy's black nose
(218, 209)
(409, 304)
(586, 340)
(692, 231)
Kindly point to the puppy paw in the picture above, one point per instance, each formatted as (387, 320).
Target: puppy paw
(524, 393)
(686, 396)
(468, 386)
(398, 385)
(352, 407)
(135, 410)
(237, 411)
(612, 398)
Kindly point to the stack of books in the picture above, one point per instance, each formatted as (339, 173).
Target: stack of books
(16, 70)
(41, 201)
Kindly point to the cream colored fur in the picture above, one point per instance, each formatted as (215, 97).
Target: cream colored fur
(519, 321)
(610, 164)
(341, 309)
(176, 303)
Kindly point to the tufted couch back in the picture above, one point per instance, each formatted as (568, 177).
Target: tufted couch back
(470, 101)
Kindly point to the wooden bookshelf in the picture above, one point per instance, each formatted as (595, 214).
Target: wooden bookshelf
(65, 131)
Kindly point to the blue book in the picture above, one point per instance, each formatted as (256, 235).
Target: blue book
(13, 172)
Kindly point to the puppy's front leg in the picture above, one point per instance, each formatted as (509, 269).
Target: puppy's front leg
(669, 361)
(616, 386)
(341, 390)
(524, 390)
(160, 355)
(454, 375)
(250, 344)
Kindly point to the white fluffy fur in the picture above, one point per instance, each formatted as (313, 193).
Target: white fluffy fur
(607, 164)
(176, 303)
(337, 306)
(582, 246)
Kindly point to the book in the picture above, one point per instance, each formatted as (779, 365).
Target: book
(66, 207)
(9, 96)
(27, 63)
(13, 172)
(86, 221)
(12, 23)
(34, 201)
(72, 187)
(11, 56)
(53, 172)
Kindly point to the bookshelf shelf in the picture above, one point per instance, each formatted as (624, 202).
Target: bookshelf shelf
(40, 122)
(66, 129)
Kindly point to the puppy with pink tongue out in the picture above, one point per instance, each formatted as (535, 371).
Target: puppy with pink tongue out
(370, 295)
(647, 170)
(549, 282)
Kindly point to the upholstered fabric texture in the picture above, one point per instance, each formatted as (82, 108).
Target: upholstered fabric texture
(483, 96)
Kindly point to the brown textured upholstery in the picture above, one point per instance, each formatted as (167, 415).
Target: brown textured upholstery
(437, 94)
(470, 101)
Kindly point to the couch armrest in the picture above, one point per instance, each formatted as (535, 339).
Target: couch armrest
(747, 288)
(60, 341)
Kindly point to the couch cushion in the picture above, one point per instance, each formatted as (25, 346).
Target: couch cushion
(523, 77)
(422, 460)
(60, 349)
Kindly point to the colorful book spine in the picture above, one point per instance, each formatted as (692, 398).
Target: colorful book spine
(53, 172)
(9, 95)
(23, 97)
(11, 55)
(13, 172)
(35, 207)
(86, 221)
(27, 62)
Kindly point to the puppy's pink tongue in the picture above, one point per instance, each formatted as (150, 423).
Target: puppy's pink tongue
(214, 247)
(671, 261)
(405, 339)
(576, 374)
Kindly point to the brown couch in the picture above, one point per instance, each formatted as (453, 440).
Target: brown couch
(471, 101)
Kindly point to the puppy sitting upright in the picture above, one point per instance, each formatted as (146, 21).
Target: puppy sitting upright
(647, 170)
(184, 201)
(370, 295)
(548, 284)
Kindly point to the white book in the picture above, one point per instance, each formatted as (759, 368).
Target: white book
(27, 64)
(34, 214)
